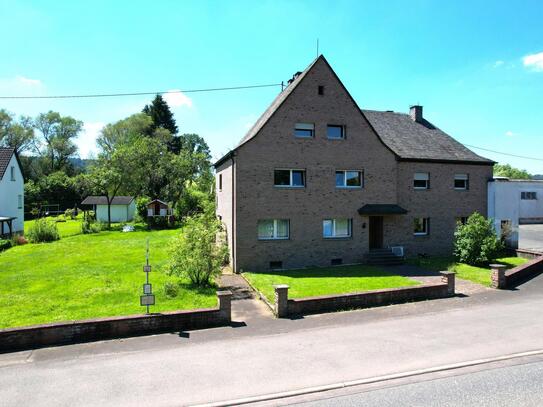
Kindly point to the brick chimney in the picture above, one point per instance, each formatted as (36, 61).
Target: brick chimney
(415, 112)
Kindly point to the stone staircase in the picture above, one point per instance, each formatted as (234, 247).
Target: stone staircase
(383, 257)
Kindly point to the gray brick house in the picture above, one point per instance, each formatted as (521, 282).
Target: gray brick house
(317, 181)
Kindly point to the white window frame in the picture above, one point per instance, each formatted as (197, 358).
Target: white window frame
(425, 224)
(342, 131)
(334, 232)
(290, 179)
(304, 126)
(461, 177)
(275, 237)
(345, 186)
(421, 176)
(12, 173)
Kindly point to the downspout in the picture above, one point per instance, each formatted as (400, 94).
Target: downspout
(234, 265)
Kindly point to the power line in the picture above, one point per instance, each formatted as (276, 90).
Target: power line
(103, 95)
(499, 152)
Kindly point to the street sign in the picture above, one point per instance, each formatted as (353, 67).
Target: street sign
(146, 269)
(147, 288)
(148, 299)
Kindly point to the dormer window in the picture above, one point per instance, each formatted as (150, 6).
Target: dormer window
(304, 130)
(335, 132)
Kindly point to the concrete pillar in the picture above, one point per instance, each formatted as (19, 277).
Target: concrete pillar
(498, 275)
(225, 304)
(448, 277)
(281, 300)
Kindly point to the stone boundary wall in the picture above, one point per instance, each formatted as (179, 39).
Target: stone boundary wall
(37, 336)
(527, 254)
(502, 278)
(285, 307)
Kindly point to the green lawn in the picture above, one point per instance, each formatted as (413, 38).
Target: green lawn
(71, 227)
(479, 275)
(86, 276)
(327, 280)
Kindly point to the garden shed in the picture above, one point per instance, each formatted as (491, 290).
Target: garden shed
(123, 208)
(158, 208)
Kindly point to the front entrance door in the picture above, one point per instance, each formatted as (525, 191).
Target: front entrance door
(376, 232)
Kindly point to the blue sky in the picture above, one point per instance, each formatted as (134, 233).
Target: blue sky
(475, 66)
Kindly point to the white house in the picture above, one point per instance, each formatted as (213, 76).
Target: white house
(513, 202)
(11, 192)
(123, 208)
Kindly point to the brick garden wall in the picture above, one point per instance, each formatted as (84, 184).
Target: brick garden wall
(116, 327)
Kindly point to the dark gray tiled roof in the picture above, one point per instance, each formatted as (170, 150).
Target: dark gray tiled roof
(5, 157)
(102, 200)
(418, 141)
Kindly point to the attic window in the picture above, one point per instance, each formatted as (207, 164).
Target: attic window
(12, 173)
(321, 90)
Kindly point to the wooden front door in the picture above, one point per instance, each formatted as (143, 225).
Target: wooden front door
(376, 232)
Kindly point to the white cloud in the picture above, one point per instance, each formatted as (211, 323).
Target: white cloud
(176, 98)
(27, 81)
(509, 133)
(87, 140)
(498, 63)
(534, 61)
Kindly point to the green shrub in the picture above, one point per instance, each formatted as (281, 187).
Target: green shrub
(476, 243)
(141, 208)
(171, 289)
(5, 244)
(89, 226)
(43, 230)
(69, 213)
(196, 253)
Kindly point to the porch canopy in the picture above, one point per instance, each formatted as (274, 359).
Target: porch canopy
(381, 209)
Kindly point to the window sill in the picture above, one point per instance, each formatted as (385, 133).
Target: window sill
(273, 239)
(335, 139)
(421, 234)
(338, 187)
(288, 187)
(420, 189)
(338, 238)
(461, 189)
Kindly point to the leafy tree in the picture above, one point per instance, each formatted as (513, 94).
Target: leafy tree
(506, 170)
(476, 242)
(162, 116)
(196, 253)
(56, 142)
(55, 188)
(16, 134)
(124, 132)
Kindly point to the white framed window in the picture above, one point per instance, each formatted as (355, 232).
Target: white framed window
(19, 201)
(273, 229)
(304, 130)
(421, 180)
(461, 181)
(289, 178)
(348, 179)
(12, 172)
(421, 226)
(335, 132)
(336, 228)
(528, 195)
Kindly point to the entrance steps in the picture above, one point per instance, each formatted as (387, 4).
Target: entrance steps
(383, 257)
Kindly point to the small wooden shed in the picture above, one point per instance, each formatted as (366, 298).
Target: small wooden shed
(158, 208)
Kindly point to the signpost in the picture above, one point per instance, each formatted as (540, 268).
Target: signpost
(148, 298)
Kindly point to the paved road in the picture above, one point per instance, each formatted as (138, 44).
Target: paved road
(531, 237)
(518, 385)
(261, 355)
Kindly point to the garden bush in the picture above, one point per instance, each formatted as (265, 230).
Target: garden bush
(5, 244)
(89, 226)
(43, 230)
(197, 253)
(476, 243)
(171, 289)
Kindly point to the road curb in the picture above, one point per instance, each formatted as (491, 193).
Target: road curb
(375, 379)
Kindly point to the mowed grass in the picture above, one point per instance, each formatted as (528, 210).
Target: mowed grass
(327, 280)
(477, 274)
(87, 276)
(70, 227)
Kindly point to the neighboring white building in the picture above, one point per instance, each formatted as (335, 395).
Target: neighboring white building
(123, 208)
(11, 192)
(514, 202)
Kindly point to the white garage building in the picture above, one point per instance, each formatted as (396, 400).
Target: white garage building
(123, 208)
(514, 202)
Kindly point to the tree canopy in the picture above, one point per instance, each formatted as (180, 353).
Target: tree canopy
(161, 115)
(18, 134)
(506, 170)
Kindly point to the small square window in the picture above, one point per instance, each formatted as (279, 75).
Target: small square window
(421, 226)
(335, 132)
(304, 130)
(320, 90)
(461, 181)
(421, 180)
(528, 196)
(348, 179)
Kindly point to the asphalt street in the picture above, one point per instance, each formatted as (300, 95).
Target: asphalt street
(531, 237)
(259, 355)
